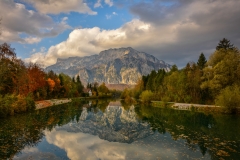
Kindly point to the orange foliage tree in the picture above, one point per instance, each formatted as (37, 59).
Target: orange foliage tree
(51, 84)
(36, 77)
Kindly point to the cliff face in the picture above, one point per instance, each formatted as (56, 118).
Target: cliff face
(113, 66)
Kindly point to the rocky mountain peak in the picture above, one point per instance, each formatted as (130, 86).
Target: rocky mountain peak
(112, 66)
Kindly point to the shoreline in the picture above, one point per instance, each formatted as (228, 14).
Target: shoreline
(51, 102)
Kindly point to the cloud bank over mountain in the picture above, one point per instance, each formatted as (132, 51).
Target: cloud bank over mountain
(176, 31)
(179, 32)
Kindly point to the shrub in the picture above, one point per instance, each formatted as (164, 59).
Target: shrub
(165, 100)
(6, 107)
(229, 98)
(11, 104)
(30, 104)
(146, 96)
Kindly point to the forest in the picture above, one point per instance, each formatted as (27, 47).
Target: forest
(21, 84)
(213, 81)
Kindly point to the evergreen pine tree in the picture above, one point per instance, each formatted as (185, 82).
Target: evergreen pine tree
(79, 85)
(224, 44)
(201, 61)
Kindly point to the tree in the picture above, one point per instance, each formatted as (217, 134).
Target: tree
(51, 84)
(201, 61)
(224, 44)
(79, 85)
(36, 78)
(223, 70)
(61, 79)
(173, 69)
(73, 79)
(103, 89)
(9, 68)
(146, 96)
(151, 85)
(229, 98)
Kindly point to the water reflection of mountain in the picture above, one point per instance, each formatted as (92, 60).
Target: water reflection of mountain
(114, 125)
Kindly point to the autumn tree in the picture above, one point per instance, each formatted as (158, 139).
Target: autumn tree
(139, 87)
(51, 84)
(36, 78)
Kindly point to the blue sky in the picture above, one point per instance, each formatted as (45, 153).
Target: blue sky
(175, 31)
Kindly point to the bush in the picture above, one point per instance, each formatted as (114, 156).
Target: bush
(229, 98)
(11, 104)
(6, 107)
(146, 96)
(165, 100)
(30, 104)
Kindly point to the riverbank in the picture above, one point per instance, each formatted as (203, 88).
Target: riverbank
(51, 102)
(195, 107)
(48, 103)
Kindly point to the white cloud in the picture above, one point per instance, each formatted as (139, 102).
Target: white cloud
(33, 50)
(85, 146)
(108, 16)
(97, 4)
(109, 2)
(31, 40)
(178, 33)
(26, 26)
(61, 6)
(89, 41)
(42, 49)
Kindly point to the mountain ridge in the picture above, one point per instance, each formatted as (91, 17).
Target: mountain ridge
(112, 66)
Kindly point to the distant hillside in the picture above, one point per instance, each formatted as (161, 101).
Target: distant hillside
(113, 66)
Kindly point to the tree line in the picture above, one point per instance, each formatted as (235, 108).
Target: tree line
(212, 81)
(21, 84)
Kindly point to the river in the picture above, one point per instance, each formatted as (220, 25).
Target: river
(113, 130)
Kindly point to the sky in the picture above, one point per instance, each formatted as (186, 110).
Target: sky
(176, 31)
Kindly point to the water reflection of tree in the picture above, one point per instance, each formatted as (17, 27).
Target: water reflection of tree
(27, 129)
(215, 134)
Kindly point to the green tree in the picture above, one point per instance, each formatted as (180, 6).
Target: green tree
(73, 79)
(10, 69)
(201, 61)
(223, 70)
(151, 85)
(224, 44)
(175, 86)
(103, 89)
(147, 96)
(79, 85)
(173, 69)
(229, 98)
(61, 79)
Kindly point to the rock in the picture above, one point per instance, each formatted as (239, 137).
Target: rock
(113, 66)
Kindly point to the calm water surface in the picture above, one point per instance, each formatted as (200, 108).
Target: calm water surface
(111, 130)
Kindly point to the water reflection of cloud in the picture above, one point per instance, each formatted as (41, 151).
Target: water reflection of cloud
(86, 146)
(34, 153)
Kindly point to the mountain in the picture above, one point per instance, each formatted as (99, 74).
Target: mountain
(113, 66)
(115, 124)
